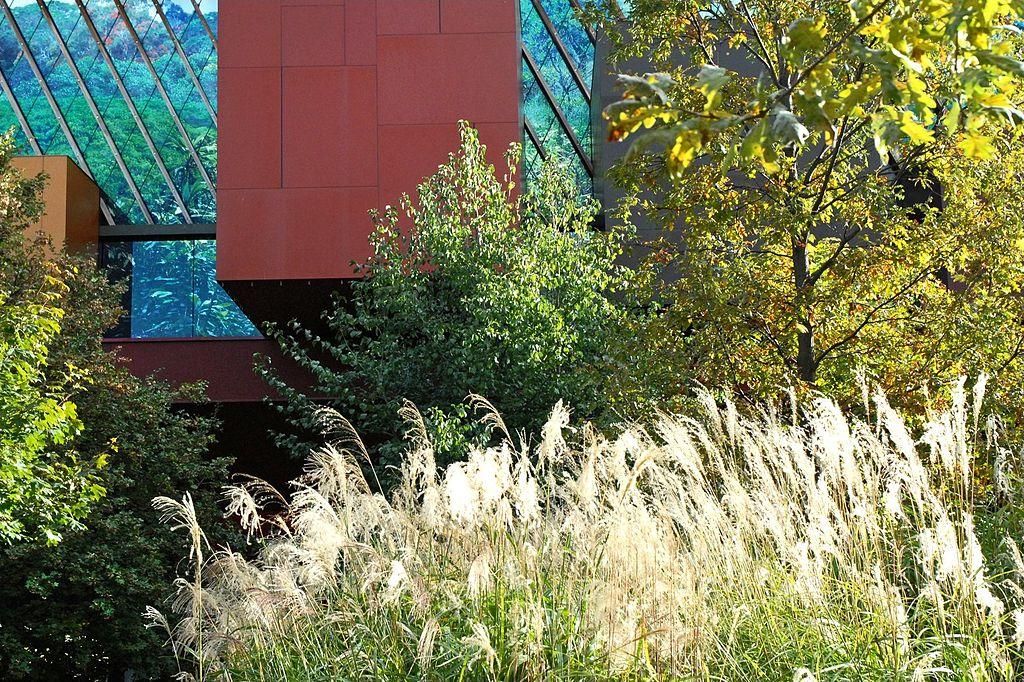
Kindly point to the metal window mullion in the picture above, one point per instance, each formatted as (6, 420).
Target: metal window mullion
(206, 24)
(532, 134)
(91, 103)
(184, 58)
(19, 114)
(105, 54)
(51, 100)
(119, 4)
(559, 114)
(562, 50)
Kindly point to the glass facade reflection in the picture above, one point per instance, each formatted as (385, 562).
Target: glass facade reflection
(557, 76)
(128, 89)
(172, 291)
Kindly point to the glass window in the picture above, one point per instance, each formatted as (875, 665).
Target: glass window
(146, 55)
(172, 291)
(556, 93)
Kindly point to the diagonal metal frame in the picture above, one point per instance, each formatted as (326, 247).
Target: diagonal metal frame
(130, 27)
(19, 113)
(206, 24)
(51, 100)
(179, 48)
(91, 103)
(534, 139)
(562, 49)
(133, 110)
(563, 121)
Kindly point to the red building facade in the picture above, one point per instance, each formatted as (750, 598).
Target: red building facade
(328, 109)
(332, 107)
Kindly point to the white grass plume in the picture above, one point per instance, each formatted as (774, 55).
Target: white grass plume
(709, 546)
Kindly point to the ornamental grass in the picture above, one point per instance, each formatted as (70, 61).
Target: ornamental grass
(795, 545)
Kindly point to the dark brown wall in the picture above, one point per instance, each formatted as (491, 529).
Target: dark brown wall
(226, 365)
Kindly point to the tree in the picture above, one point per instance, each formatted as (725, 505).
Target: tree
(73, 609)
(844, 181)
(45, 487)
(475, 290)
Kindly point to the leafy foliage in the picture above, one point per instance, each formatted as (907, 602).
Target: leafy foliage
(828, 215)
(477, 291)
(891, 67)
(44, 485)
(73, 609)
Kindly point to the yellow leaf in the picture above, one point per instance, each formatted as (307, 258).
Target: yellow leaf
(917, 133)
(977, 146)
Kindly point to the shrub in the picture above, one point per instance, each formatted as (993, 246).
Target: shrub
(474, 290)
(45, 486)
(717, 547)
(73, 610)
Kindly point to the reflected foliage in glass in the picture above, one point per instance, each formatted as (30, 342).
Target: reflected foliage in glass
(563, 52)
(182, 128)
(172, 291)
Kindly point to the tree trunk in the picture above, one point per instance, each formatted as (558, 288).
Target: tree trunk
(806, 366)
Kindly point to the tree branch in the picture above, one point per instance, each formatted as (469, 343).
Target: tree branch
(870, 316)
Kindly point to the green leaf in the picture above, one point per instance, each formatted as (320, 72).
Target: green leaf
(711, 79)
(951, 119)
(787, 128)
(710, 82)
(806, 34)
(1001, 61)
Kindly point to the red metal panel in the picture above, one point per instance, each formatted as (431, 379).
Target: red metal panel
(252, 225)
(306, 151)
(249, 33)
(444, 78)
(316, 233)
(408, 16)
(330, 127)
(360, 32)
(410, 153)
(316, 35)
(249, 130)
(335, 224)
(476, 16)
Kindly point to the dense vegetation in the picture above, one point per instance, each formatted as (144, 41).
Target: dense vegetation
(45, 484)
(474, 289)
(84, 447)
(838, 185)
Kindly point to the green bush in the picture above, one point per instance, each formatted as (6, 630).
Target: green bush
(73, 609)
(475, 289)
(45, 486)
